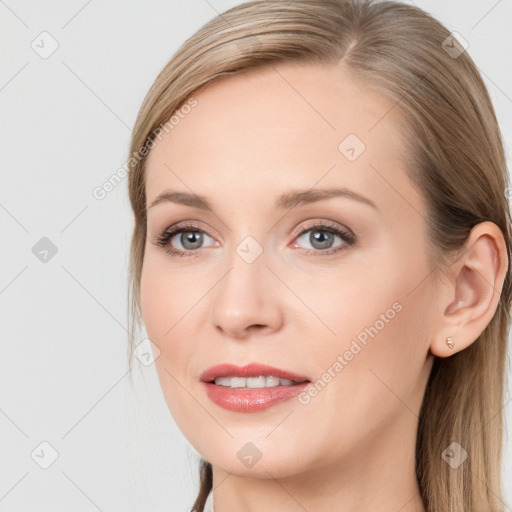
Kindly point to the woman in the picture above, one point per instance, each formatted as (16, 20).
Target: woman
(321, 257)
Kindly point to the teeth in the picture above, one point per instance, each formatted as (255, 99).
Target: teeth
(256, 382)
(271, 381)
(253, 382)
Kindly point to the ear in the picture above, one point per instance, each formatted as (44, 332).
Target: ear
(474, 291)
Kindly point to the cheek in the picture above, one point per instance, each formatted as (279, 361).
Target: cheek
(154, 303)
(163, 293)
(164, 314)
(161, 302)
(170, 303)
(369, 306)
(381, 326)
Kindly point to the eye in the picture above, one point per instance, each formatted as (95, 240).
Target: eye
(321, 237)
(189, 236)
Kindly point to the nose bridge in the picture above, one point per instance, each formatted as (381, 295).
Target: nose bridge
(244, 295)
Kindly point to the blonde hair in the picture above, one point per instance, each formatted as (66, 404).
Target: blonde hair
(455, 157)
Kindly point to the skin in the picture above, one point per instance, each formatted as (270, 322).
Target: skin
(250, 139)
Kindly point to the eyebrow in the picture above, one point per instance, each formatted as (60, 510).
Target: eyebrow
(285, 201)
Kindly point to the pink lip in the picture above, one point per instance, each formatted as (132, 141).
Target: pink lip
(249, 370)
(250, 400)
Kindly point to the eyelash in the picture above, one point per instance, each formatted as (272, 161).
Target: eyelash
(349, 239)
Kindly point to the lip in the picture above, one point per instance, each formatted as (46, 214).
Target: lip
(255, 399)
(249, 370)
(251, 400)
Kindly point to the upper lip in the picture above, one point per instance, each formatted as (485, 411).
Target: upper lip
(249, 370)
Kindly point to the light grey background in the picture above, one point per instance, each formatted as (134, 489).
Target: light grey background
(65, 125)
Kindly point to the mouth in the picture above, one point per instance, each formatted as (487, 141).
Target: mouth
(251, 376)
(251, 388)
(262, 381)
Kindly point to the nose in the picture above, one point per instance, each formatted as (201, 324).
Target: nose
(245, 300)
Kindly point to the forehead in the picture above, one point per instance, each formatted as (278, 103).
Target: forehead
(292, 124)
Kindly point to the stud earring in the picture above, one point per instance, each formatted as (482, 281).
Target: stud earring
(450, 342)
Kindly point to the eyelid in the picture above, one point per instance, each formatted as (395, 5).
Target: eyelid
(191, 225)
(319, 222)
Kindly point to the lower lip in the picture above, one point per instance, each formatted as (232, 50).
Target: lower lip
(251, 400)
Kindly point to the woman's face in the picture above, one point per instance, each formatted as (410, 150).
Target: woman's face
(335, 289)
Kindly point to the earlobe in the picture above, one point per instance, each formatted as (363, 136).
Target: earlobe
(447, 346)
(476, 289)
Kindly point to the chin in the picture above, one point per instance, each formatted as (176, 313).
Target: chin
(251, 459)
